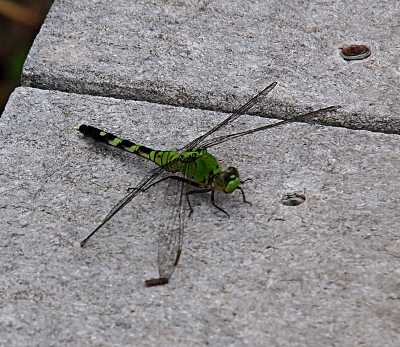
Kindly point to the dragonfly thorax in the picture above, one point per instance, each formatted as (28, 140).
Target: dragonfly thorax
(193, 154)
(201, 166)
(227, 181)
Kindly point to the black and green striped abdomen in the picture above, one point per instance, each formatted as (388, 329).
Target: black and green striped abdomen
(159, 157)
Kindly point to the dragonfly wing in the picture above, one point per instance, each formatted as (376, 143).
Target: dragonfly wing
(170, 239)
(302, 117)
(142, 186)
(242, 110)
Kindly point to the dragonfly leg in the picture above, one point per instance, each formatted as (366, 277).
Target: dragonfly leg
(214, 204)
(246, 180)
(197, 191)
(182, 179)
(244, 198)
(220, 208)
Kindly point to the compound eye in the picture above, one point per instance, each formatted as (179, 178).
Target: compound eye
(231, 174)
(232, 171)
(225, 177)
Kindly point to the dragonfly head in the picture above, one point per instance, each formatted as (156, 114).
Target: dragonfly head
(227, 181)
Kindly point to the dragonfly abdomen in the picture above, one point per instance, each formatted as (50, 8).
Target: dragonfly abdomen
(159, 157)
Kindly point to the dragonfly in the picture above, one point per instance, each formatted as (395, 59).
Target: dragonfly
(191, 165)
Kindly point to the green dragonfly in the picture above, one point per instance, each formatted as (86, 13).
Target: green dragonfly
(192, 165)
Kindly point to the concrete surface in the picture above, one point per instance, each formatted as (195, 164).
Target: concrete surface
(324, 273)
(214, 54)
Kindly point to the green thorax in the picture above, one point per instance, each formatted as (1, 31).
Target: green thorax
(200, 166)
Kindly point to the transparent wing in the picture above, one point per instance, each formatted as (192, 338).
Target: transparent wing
(249, 104)
(170, 238)
(221, 139)
(170, 241)
(143, 185)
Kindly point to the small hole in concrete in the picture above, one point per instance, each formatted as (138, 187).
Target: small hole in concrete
(355, 52)
(293, 199)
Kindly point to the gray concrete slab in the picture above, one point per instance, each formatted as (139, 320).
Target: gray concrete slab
(324, 273)
(213, 54)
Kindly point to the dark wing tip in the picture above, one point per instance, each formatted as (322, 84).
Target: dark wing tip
(156, 282)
